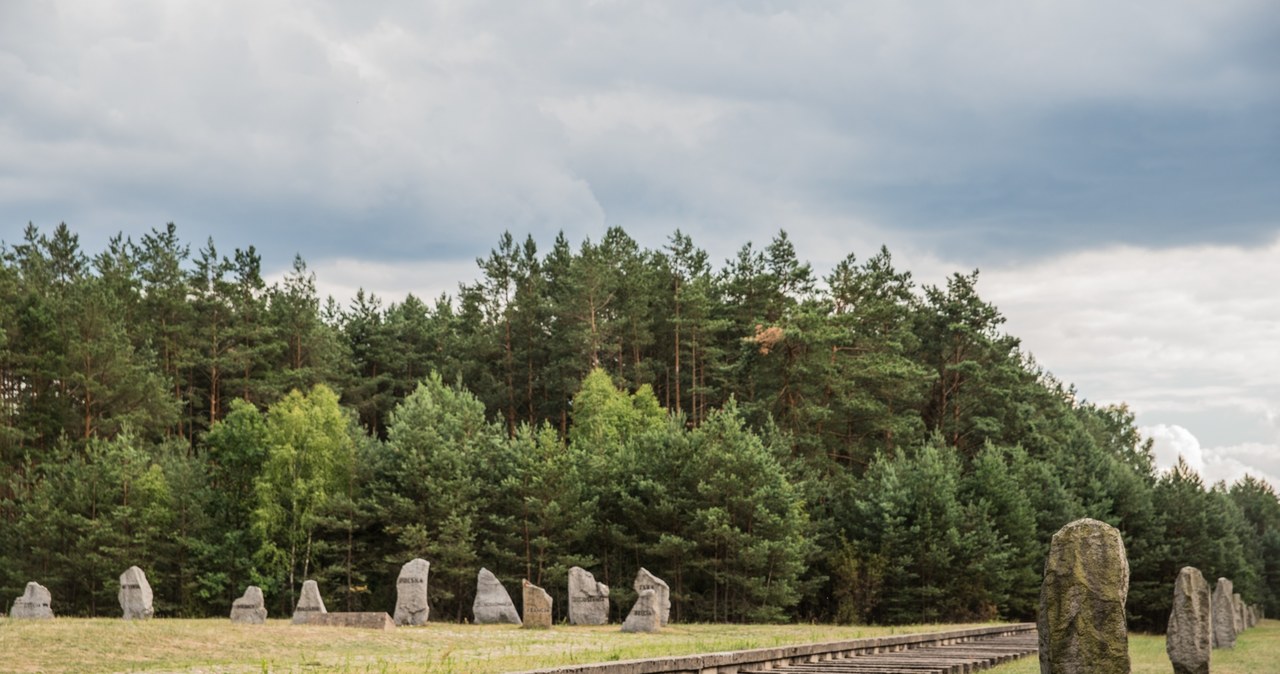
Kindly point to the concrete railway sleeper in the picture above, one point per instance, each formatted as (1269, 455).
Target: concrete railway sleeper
(959, 651)
(960, 658)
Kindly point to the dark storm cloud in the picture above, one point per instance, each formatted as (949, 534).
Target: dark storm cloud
(422, 130)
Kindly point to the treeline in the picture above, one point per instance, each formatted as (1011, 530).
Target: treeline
(775, 444)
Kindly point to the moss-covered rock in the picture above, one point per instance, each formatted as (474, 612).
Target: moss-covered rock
(1082, 618)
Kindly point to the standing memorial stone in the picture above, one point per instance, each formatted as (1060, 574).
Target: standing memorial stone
(250, 609)
(309, 603)
(412, 607)
(588, 600)
(1237, 604)
(34, 604)
(1086, 582)
(1224, 631)
(645, 615)
(492, 606)
(648, 581)
(537, 607)
(1189, 639)
(135, 595)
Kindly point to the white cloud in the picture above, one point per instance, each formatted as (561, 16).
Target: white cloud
(1214, 464)
(1170, 331)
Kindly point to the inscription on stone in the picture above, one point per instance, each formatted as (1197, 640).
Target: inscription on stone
(537, 607)
(250, 609)
(33, 604)
(412, 605)
(647, 581)
(309, 603)
(588, 600)
(135, 595)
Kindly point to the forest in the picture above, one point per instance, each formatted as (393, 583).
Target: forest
(777, 443)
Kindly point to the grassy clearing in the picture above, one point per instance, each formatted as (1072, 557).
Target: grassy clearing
(113, 645)
(1257, 651)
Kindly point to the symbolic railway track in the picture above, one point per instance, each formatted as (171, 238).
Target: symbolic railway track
(960, 658)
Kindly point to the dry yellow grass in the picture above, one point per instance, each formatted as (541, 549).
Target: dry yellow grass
(213, 645)
(1257, 651)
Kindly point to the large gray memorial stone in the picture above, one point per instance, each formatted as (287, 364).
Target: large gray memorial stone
(645, 616)
(588, 600)
(648, 581)
(34, 604)
(1224, 631)
(412, 607)
(492, 605)
(1086, 583)
(1189, 639)
(537, 607)
(309, 603)
(250, 609)
(135, 595)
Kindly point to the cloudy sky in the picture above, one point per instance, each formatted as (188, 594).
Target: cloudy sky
(1112, 168)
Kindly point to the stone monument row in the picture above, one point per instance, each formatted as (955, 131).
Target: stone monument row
(135, 595)
(588, 600)
(1082, 619)
(492, 604)
(1189, 638)
(34, 604)
(412, 606)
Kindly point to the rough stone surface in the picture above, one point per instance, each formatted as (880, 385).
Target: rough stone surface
(645, 616)
(250, 609)
(493, 604)
(588, 600)
(412, 606)
(1224, 632)
(309, 603)
(537, 607)
(648, 581)
(371, 620)
(1237, 604)
(135, 595)
(1086, 583)
(34, 604)
(1189, 639)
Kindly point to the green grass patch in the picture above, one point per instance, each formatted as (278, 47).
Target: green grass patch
(1257, 651)
(217, 645)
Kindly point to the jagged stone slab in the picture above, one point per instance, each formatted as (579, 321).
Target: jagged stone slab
(1086, 583)
(1224, 632)
(370, 620)
(645, 615)
(1189, 638)
(588, 600)
(412, 605)
(251, 608)
(309, 604)
(537, 607)
(492, 605)
(647, 581)
(34, 604)
(1237, 616)
(135, 595)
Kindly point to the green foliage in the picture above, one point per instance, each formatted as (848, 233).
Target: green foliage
(776, 444)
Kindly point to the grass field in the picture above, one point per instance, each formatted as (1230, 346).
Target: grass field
(114, 645)
(1257, 651)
